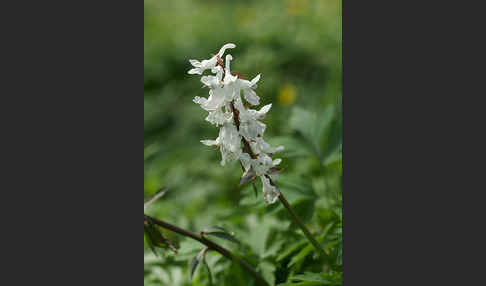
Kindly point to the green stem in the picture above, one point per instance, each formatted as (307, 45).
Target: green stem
(299, 222)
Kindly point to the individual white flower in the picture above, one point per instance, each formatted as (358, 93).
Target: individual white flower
(250, 114)
(230, 88)
(215, 100)
(201, 66)
(245, 160)
(228, 77)
(230, 137)
(227, 156)
(262, 164)
(270, 193)
(218, 117)
(251, 130)
(214, 81)
(250, 127)
(260, 146)
(230, 143)
(248, 90)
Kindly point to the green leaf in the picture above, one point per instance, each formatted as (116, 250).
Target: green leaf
(155, 238)
(304, 208)
(299, 257)
(291, 249)
(235, 275)
(212, 229)
(255, 190)
(306, 283)
(260, 230)
(219, 232)
(188, 248)
(268, 272)
(322, 278)
(274, 248)
(334, 156)
(335, 159)
(309, 249)
(210, 277)
(312, 126)
(149, 240)
(308, 276)
(195, 261)
(225, 236)
(193, 265)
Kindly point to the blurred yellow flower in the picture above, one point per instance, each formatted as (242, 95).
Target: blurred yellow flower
(244, 16)
(296, 7)
(287, 94)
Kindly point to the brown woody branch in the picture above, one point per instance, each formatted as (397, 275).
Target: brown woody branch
(211, 245)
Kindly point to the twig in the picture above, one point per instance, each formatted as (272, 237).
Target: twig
(211, 245)
(155, 197)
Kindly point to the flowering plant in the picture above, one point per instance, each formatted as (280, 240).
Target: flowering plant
(240, 129)
(231, 106)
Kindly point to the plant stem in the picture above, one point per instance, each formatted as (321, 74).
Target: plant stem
(299, 222)
(211, 245)
(284, 201)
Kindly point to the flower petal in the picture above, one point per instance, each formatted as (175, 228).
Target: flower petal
(263, 111)
(211, 142)
(195, 71)
(255, 80)
(276, 162)
(195, 63)
(270, 193)
(225, 47)
(218, 117)
(251, 96)
(199, 100)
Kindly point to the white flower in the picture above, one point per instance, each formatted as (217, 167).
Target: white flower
(213, 102)
(251, 130)
(213, 81)
(251, 114)
(230, 137)
(270, 193)
(262, 164)
(230, 143)
(225, 92)
(260, 146)
(245, 160)
(201, 66)
(218, 117)
(248, 90)
(228, 77)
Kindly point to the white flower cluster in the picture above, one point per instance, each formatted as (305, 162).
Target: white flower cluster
(239, 125)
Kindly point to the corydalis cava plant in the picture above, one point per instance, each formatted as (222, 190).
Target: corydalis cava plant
(240, 131)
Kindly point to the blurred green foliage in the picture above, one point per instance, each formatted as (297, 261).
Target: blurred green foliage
(296, 46)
